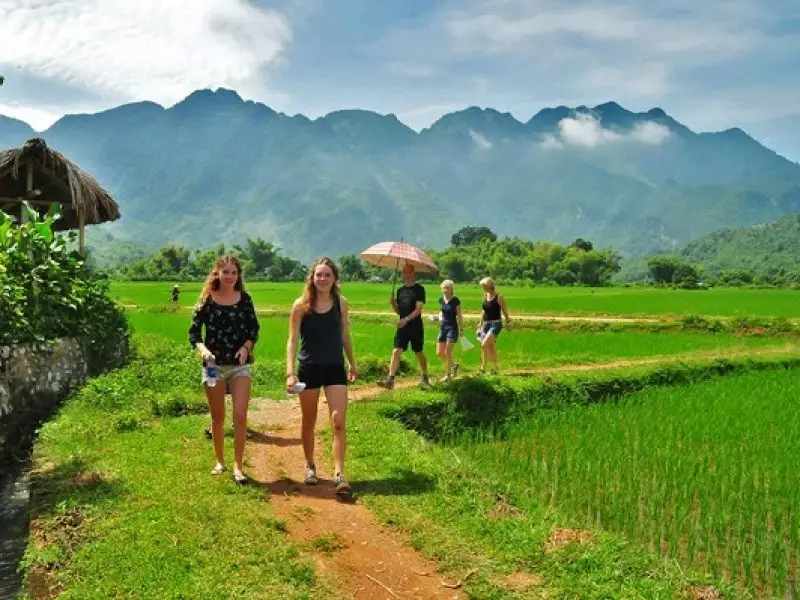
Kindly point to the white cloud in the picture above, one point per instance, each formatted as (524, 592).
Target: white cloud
(481, 141)
(141, 49)
(585, 131)
(650, 132)
(39, 119)
(496, 26)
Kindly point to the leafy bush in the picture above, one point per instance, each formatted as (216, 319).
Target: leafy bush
(47, 292)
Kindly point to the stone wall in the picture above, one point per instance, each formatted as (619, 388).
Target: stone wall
(34, 379)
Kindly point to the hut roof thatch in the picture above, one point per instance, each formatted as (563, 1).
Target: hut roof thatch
(57, 179)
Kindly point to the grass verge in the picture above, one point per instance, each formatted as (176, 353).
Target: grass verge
(123, 504)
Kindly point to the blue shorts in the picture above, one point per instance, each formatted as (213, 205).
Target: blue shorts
(448, 333)
(495, 327)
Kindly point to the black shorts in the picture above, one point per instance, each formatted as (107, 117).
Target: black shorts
(317, 376)
(413, 333)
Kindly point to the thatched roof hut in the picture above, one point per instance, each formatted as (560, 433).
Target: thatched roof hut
(43, 177)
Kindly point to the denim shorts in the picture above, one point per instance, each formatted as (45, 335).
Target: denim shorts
(495, 327)
(227, 373)
(448, 333)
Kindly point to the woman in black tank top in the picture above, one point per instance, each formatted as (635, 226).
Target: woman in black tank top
(319, 321)
(491, 323)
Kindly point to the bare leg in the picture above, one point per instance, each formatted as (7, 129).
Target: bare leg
(449, 356)
(395, 364)
(240, 392)
(486, 349)
(309, 400)
(423, 364)
(491, 350)
(440, 350)
(216, 406)
(337, 407)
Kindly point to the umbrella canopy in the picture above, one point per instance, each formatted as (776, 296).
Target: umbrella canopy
(395, 255)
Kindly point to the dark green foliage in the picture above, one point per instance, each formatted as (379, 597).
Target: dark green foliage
(515, 259)
(261, 261)
(466, 236)
(48, 292)
(763, 254)
(670, 269)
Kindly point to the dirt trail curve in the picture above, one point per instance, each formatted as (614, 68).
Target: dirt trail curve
(368, 561)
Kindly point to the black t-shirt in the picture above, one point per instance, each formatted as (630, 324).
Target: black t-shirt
(407, 298)
(449, 312)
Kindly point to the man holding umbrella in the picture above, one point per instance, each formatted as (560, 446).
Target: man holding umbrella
(408, 304)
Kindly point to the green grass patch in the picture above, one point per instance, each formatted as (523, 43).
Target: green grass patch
(123, 504)
(329, 542)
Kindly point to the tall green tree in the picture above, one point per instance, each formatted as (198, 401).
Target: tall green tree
(469, 235)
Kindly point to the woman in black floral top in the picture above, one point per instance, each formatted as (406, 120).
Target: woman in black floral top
(227, 312)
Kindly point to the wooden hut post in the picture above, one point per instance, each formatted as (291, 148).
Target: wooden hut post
(28, 190)
(81, 238)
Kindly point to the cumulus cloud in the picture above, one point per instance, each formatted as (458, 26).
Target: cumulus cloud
(585, 131)
(481, 141)
(147, 49)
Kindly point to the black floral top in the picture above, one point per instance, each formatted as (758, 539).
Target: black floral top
(228, 327)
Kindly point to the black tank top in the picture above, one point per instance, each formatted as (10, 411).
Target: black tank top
(491, 309)
(321, 337)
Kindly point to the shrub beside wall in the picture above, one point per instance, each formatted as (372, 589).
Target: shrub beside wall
(58, 325)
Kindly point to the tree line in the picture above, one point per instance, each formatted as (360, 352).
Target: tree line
(261, 261)
(474, 252)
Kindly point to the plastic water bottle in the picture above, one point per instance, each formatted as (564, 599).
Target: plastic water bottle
(211, 373)
(297, 388)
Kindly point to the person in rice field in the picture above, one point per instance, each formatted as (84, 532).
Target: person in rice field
(491, 323)
(408, 304)
(450, 327)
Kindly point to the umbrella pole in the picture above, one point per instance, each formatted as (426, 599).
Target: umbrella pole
(396, 266)
(394, 277)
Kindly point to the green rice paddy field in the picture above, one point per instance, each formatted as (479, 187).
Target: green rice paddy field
(706, 474)
(612, 301)
(702, 476)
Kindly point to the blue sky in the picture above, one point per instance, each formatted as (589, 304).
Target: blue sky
(712, 65)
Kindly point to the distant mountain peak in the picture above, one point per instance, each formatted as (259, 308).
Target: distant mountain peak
(208, 100)
(611, 107)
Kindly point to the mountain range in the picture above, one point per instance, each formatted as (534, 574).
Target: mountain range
(216, 168)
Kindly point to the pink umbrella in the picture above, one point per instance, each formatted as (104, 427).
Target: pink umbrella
(396, 255)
